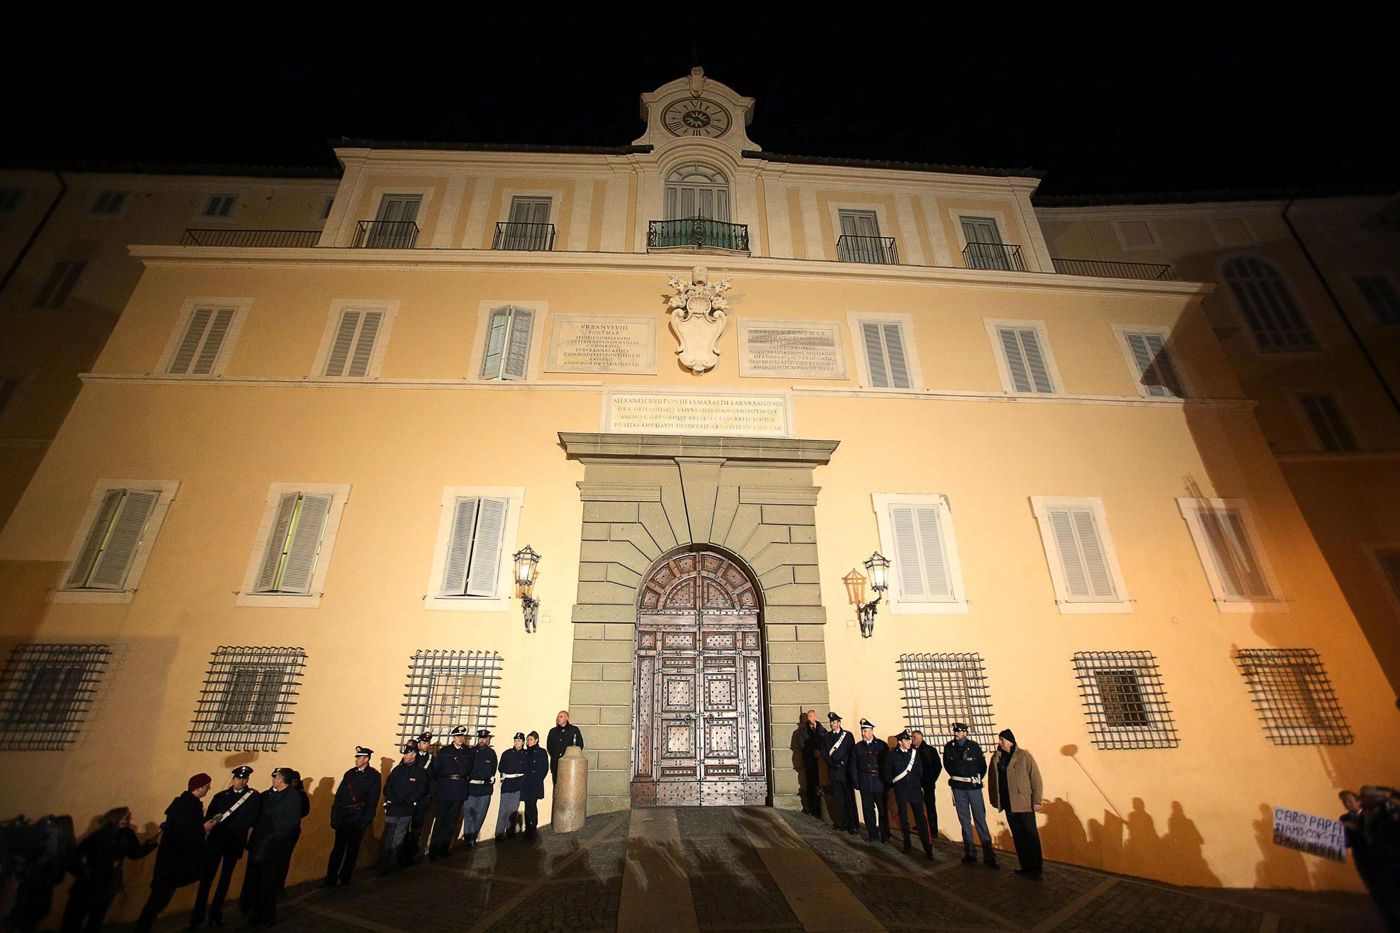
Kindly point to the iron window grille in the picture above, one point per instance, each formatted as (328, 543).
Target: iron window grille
(45, 694)
(447, 689)
(1124, 700)
(941, 689)
(247, 700)
(1293, 696)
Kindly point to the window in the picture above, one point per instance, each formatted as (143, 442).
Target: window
(1124, 700)
(1023, 356)
(885, 355)
(1083, 564)
(108, 203)
(395, 225)
(941, 689)
(292, 553)
(1325, 417)
(10, 199)
(1268, 305)
(1226, 541)
(247, 701)
(983, 247)
(1293, 696)
(506, 354)
(203, 337)
(63, 275)
(45, 694)
(528, 226)
(356, 337)
(476, 534)
(220, 205)
(326, 204)
(1379, 292)
(697, 191)
(917, 533)
(860, 239)
(114, 541)
(447, 689)
(1150, 361)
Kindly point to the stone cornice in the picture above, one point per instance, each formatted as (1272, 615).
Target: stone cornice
(670, 446)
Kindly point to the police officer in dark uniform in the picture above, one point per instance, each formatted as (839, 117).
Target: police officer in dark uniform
(967, 768)
(869, 757)
(404, 790)
(452, 765)
(536, 770)
(408, 854)
(904, 774)
(234, 812)
(838, 750)
(280, 810)
(932, 765)
(481, 783)
(352, 812)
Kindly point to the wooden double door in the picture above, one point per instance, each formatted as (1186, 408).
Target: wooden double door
(698, 731)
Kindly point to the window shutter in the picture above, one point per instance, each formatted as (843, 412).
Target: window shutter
(97, 534)
(919, 554)
(875, 354)
(1035, 361)
(344, 338)
(1095, 561)
(486, 555)
(125, 537)
(894, 349)
(305, 545)
(218, 329)
(194, 333)
(1333, 433)
(364, 346)
(1155, 370)
(1071, 563)
(931, 544)
(495, 344)
(518, 349)
(459, 547)
(1024, 360)
(277, 542)
(906, 552)
(1082, 558)
(1015, 363)
(1232, 553)
(722, 204)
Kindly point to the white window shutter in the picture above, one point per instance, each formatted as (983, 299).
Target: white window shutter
(518, 345)
(459, 548)
(277, 543)
(1155, 370)
(1035, 360)
(1015, 363)
(1095, 560)
(364, 345)
(875, 355)
(894, 350)
(931, 545)
(906, 552)
(1233, 554)
(125, 537)
(213, 341)
(496, 333)
(344, 339)
(97, 534)
(194, 333)
(486, 555)
(305, 545)
(1071, 562)
(920, 557)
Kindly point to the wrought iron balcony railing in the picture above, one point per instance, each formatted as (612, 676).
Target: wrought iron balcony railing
(877, 249)
(514, 235)
(1004, 256)
(697, 233)
(386, 234)
(1106, 269)
(250, 238)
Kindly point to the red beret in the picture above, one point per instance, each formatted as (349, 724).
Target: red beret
(199, 780)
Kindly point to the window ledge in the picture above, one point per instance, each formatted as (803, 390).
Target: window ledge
(1264, 606)
(280, 600)
(467, 603)
(109, 597)
(1073, 609)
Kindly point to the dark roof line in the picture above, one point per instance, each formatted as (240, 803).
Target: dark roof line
(488, 147)
(898, 166)
(1217, 195)
(178, 168)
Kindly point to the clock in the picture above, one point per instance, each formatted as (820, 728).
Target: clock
(695, 116)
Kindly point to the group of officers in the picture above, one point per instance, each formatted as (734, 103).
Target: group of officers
(453, 785)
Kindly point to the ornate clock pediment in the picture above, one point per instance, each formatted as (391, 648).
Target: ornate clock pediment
(696, 107)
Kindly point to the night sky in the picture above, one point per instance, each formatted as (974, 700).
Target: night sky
(1124, 102)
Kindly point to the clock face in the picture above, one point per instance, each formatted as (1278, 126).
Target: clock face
(695, 116)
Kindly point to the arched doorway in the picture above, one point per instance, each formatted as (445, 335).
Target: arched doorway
(697, 710)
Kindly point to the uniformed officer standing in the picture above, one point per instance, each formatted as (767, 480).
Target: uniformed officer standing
(234, 812)
(869, 757)
(352, 812)
(404, 791)
(932, 765)
(280, 809)
(904, 773)
(408, 855)
(966, 767)
(452, 765)
(480, 785)
(838, 751)
(514, 761)
(536, 770)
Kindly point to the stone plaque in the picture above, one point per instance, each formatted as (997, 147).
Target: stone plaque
(676, 411)
(800, 349)
(601, 343)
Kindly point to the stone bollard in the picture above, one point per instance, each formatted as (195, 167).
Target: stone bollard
(570, 792)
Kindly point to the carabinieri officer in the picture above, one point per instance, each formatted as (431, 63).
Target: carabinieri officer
(838, 746)
(234, 812)
(904, 771)
(869, 758)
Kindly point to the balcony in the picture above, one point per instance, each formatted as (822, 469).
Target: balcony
(1151, 271)
(876, 249)
(1003, 256)
(513, 235)
(697, 233)
(386, 234)
(275, 238)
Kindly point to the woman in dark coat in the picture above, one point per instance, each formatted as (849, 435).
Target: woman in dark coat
(536, 770)
(180, 858)
(97, 869)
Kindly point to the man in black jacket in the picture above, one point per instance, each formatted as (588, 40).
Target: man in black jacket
(234, 812)
(181, 854)
(409, 855)
(869, 759)
(932, 764)
(904, 775)
(352, 812)
(404, 791)
(481, 782)
(967, 767)
(451, 768)
(275, 835)
(559, 739)
(536, 770)
(838, 750)
(810, 735)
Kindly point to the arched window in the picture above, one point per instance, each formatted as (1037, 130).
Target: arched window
(697, 191)
(1268, 305)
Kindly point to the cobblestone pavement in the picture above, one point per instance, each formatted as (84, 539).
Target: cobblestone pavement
(575, 883)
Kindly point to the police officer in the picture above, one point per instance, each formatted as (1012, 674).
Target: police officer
(838, 750)
(408, 855)
(904, 774)
(932, 764)
(966, 767)
(536, 770)
(280, 810)
(869, 757)
(453, 764)
(514, 762)
(352, 812)
(404, 790)
(234, 812)
(480, 785)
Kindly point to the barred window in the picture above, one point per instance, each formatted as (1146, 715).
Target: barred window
(46, 692)
(941, 689)
(1293, 696)
(1124, 699)
(246, 704)
(448, 689)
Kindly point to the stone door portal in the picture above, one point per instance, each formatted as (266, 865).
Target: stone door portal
(697, 717)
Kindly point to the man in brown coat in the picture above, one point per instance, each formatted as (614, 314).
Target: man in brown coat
(1015, 789)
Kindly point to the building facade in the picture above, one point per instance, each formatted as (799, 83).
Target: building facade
(704, 382)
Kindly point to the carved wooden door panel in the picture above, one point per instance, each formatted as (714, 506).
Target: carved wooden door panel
(698, 736)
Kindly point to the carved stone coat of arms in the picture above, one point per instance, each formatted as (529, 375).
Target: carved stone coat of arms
(698, 315)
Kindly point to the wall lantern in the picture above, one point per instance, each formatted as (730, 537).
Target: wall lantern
(527, 567)
(878, 567)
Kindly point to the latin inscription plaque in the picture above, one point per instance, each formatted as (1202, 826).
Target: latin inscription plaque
(601, 343)
(661, 411)
(799, 349)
